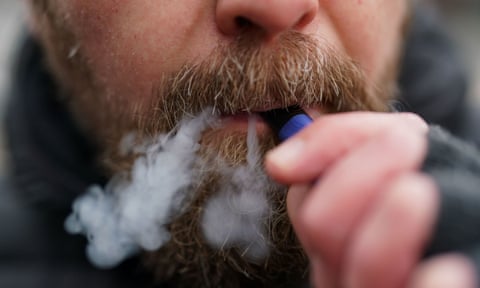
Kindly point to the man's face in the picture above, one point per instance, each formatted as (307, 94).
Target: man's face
(144, 65)
(128, 46)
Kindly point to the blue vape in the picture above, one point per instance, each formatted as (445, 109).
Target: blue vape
(286, 122)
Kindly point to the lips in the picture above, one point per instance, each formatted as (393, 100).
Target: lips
(240, 122)
(244, 115)
(265, 119)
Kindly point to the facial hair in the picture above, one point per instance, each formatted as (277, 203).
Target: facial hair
(245, 77)
(242, 77)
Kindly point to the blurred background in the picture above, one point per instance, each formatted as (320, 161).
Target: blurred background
(461, 18)
(11, 17)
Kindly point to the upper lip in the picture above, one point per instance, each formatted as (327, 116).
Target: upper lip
(257, 110)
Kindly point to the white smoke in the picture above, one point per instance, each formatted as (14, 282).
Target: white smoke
(129, 215)
(235, 217)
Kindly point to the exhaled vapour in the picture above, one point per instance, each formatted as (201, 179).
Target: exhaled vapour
(236, 216)
(132, 212)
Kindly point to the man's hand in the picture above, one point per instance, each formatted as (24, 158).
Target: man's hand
(359, 205)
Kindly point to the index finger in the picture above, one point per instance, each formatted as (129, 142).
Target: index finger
(303, 157)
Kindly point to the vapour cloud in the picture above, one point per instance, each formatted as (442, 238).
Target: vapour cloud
(131, 213)
(236, 216)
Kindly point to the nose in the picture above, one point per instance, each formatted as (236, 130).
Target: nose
(272, 17)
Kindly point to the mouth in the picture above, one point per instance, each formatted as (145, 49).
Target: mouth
(265, 119)
(240, 121)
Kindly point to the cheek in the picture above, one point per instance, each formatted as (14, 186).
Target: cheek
(371, 31)
(130, 44)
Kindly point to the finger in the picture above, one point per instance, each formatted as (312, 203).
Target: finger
(391, 239)
(303, 157)
(295, 200)
(319, 276)
(337, 203)
(448, 271)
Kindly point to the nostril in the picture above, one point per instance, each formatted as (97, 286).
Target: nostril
(270, 18)
(243, 23)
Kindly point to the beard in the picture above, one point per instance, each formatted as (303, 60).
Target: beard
(246, 78)
(243, 77)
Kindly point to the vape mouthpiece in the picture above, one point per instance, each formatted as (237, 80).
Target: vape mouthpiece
(286, 122)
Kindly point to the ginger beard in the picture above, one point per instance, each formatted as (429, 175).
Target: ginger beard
(246, 77)
(241, 77)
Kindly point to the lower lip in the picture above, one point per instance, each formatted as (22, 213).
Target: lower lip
(241, 122)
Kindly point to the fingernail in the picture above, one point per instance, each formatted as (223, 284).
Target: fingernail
(285, 155)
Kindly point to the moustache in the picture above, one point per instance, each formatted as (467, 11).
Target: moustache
(245, 76)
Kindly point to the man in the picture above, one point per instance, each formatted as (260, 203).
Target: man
(165, 95)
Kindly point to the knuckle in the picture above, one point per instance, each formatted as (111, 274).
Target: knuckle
(325, 235)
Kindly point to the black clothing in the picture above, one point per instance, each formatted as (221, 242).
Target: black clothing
(433, 83)
(455, 167)
(52, 163)
(50, 175)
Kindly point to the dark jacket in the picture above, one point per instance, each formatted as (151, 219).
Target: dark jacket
(52, 163)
